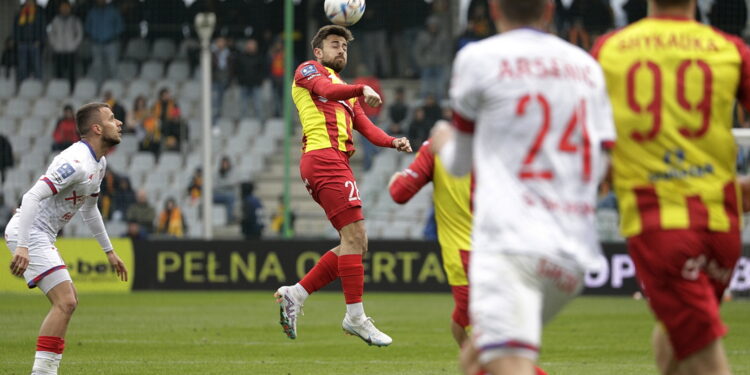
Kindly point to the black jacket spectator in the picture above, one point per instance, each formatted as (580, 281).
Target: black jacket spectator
(6, 156)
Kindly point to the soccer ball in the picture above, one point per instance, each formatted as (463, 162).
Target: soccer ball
(344, 12)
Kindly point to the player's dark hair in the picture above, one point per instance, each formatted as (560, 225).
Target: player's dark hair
(669, 3)
(88, 115)
(325, 31)
(524, 12)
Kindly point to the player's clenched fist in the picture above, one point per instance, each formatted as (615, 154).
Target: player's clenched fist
(20, 261)
(371, 97)
(402, 144)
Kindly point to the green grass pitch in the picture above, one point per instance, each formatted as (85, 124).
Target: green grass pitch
(238, 333)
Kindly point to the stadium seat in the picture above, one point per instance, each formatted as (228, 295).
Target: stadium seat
(85, 89)
(140, 87)
(226, 125)
(33, 162)
(137, 49)
(163, 49)
(191, 90)
(126, 71)
(17, 107)
(31, 89)
(152, 70)
(20, 142)
(58, 89)
(7, 88)
(45, 107)
(115, 86)
(128, 144)
(249, 128)
(178, 71)
(118, 160)
(31, 126)
(142, 161)
(170, 161)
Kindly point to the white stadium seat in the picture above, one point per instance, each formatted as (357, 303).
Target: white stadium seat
(115, 86)
(178, 71)
(17, 108)
(45, 107)
(31, 89)
(58, 89)
(85, 89)
(152, 70)
(163, 49)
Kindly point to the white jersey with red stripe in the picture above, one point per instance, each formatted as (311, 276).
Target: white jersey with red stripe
(73, 176)
(539, 112)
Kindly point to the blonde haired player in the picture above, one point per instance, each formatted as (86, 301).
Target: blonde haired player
(532, 114)
(70, 184)
(673, 84)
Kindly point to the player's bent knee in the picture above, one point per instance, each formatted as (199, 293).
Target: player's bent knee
(68, 305)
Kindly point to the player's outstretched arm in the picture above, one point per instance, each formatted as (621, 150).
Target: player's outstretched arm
(407, 183)
(118, 264)
(376, 135)
(93, 219)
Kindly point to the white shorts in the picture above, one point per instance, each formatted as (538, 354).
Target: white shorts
(46, 268)
(513, 296)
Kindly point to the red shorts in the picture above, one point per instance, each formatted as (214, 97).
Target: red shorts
(684, 274)
(330, 181)
(461, 296)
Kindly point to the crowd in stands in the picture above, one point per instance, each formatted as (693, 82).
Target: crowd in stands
(413, 45)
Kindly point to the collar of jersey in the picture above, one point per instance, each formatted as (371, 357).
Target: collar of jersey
(93, 154)
(672, 18)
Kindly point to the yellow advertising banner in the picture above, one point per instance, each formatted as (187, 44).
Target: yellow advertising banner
(87, 264)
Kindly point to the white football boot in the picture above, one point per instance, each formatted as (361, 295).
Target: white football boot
(289, 310)
(367, 331)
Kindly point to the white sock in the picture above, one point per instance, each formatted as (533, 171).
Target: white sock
(300, 292)
(356, 312)
(46, 363)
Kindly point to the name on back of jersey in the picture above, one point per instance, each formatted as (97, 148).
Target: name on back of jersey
(544, 68)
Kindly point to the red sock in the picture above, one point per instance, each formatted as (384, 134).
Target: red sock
(50, 344)
(352, 274)
(322, 274)
(539, 371)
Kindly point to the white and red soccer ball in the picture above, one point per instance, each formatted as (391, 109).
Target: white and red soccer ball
(344, 12)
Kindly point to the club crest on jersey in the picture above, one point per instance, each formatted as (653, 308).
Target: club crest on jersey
(308, 70)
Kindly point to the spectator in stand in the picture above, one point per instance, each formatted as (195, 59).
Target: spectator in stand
(135, 232)
(398, 111)
(104, 25)
(277, 221)
(419, 129)
(171, 221)
(65, 34)
(365, 78)
(405, 22)
(124, 198)
(6, 212)
(222, 65)
(251, 71)
(28, 34)
(150, 139)
(66, 132)
(276, 56)
(137, 115)
(165, 18)
(132, 12)
(117, 109)
(168, 115)
(9, 60)
(195, 188)
(432, 109)
(432, 51)
(224, 187)
(252, 213)
(374, 40)
(141, 212)
(6, 156)
(729, 16)
(107, 192)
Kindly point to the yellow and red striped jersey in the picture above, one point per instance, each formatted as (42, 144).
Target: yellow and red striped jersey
(329, 110)
(673, 83)
(452, 198)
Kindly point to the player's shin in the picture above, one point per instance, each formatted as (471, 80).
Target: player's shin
(352, 274)
(49, 351)
(324, 272)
